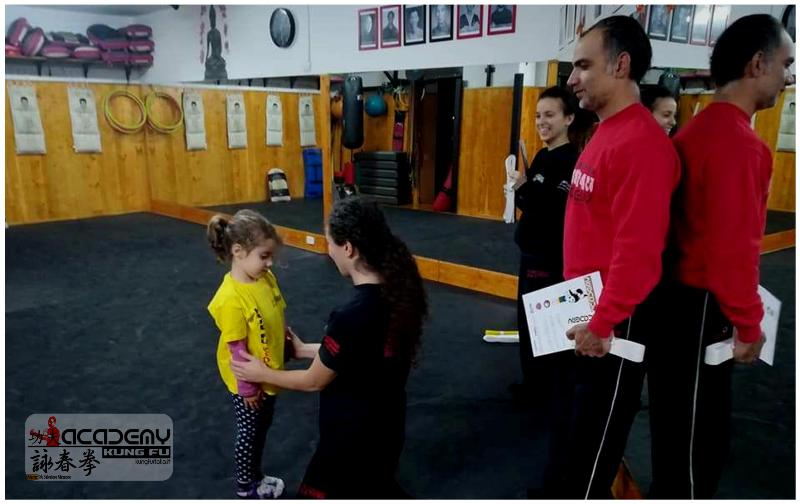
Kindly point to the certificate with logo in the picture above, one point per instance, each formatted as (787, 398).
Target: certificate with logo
(551, 311)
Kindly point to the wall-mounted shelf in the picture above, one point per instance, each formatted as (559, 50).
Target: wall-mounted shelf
(86, 64)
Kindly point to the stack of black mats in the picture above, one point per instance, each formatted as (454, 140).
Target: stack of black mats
(384, 176)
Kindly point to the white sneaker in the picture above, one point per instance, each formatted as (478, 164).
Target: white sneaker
(270, 488)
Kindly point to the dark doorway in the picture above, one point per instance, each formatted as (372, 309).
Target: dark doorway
(437, 102)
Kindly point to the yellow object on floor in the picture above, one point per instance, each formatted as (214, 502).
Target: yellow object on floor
(491, 336)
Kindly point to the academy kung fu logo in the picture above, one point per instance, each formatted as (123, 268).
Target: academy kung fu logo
(57, 465)
(136, 447)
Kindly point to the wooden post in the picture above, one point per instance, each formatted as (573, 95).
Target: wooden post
(325, 141)
(552, 73)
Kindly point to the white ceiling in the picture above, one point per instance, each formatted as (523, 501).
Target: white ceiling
(113, 10)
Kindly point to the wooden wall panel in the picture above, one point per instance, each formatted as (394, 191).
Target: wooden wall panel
(378, 130)
(133, 168)
(63, 184)
(686, 106)
(767, 123)
(221, 175)
(552, 73)
(377, 133)
(485, 133)
(527, 130)
(782, 190)
(324, 115)
(782, 186)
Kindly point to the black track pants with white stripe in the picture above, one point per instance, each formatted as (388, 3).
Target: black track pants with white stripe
(689, 401)
(605, 402)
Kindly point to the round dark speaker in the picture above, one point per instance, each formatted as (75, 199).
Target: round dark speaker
(353, 113)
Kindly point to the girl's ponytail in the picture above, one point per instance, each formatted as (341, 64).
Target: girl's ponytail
(217, 237)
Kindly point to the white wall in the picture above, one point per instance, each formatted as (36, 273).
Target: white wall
(334, 44)
(672, 54)
(252, 53)
(335, 47)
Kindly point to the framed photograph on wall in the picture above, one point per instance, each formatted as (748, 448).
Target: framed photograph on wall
(719, 21)
(788, 21)
(367, 29)
(702, 18)
(598, 11)
(391, 25)
(570, 27)
(414, 24)
(502, 19)
(681, 21)
(640, 14)
(470, 21)
(441, 22)
(580, 21)
(562, 20)
(658, 22)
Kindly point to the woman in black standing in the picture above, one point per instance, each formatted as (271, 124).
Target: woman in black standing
(541, 195)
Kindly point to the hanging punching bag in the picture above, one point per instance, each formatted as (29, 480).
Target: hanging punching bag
(353, 113)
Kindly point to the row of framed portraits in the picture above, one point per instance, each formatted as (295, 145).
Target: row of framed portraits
(695, 24)
(692, 24)
(405, 25)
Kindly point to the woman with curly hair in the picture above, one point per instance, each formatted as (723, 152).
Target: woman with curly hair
(362, 365)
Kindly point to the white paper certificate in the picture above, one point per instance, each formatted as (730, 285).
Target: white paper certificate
(553, 310)
(717, 353)
(769, 324)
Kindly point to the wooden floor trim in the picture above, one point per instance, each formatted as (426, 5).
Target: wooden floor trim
(182, 212)
(778, 241)
(495, 283)
(468, 277)
(305, 240)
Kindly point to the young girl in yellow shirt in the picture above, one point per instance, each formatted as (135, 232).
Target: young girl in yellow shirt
(248, 310)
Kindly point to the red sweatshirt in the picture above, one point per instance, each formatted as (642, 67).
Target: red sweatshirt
(721, 210)
(618, 212)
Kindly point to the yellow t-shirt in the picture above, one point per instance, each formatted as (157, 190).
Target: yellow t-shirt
(251, 312)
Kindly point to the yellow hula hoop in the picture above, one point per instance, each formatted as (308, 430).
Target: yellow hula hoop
(160, 127)
(118, 125)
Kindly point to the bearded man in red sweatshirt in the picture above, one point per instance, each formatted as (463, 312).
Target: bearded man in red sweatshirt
(617, 222)
(710, 289)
